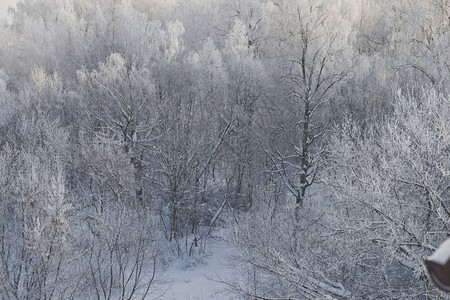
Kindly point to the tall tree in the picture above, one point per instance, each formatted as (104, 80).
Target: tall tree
(314, 57)
(117, 100)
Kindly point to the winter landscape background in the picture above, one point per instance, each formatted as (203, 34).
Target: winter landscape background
(223, 149)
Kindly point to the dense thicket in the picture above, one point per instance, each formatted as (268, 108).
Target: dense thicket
(318, 130)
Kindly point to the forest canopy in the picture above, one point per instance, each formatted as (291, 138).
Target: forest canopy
(317, 132)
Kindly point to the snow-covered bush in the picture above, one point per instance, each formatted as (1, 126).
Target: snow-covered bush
(285, 258)
(391, 183)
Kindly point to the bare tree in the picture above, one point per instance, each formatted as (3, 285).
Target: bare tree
(118, 98)
(37, 237)
(184, 154)
(314, 58)
(246, 89)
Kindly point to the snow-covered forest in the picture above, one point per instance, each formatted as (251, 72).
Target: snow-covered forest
(311, 136)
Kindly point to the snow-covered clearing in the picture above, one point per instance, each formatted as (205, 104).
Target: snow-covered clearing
(197, 282)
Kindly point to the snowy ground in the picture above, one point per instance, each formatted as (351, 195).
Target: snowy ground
(195, 282)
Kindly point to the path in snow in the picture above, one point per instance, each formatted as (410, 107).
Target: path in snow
(192, 283)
